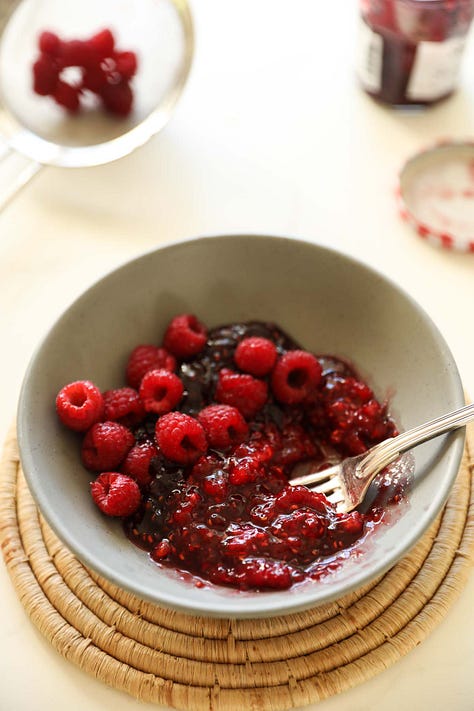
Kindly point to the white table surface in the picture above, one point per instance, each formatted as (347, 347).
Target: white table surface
(272, 135)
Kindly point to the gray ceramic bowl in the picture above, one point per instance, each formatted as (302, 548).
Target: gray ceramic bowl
(327, 301)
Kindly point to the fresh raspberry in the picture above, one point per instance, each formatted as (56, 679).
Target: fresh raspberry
(80, 405)
(103, 71)
(243, 540)
(295, 376)
(180, 437)
(49, 43)
(77, 53)
(160, 391)
(144, 358)
(94, 78)
(106, 445)
(242, 391)
(123, 405)
(116, 494)
(184, 512)
(256, 356)
(45, 76)
(185, 336)
(117, 98)
(126, 64)
(103, 43)
(137, 462)
(67, 96)
(224, 426)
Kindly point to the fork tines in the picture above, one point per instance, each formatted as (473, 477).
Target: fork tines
(327, 482)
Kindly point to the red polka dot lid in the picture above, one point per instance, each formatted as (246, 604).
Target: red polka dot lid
(436, 194)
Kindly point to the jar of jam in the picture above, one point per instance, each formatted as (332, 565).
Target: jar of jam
(410, 51)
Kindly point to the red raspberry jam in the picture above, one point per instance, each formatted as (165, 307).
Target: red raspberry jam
(410, 50)
(230, 517)
(211, 468)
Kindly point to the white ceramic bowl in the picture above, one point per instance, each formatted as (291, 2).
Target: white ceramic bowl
(328, 302)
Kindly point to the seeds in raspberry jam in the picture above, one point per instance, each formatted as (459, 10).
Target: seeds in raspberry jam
(160, 391)
(80, 405)
(295, 376)
(258, 573)
(161, 550)
(352, 418)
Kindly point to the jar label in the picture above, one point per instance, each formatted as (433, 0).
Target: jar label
(369, 61)
(435, 69)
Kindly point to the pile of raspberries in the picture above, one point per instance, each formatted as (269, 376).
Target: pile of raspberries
(153, 388)
(102, 70)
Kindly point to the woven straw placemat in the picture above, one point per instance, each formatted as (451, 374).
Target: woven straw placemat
(197, 663)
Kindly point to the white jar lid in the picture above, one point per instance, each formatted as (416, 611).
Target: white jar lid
(436, 194)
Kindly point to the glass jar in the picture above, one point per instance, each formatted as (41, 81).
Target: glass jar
(410, 51)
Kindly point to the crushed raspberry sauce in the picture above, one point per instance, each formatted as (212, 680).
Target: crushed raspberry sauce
(230, 518)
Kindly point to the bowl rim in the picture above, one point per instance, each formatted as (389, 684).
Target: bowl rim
(265, 604)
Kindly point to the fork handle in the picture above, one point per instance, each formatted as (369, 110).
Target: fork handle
(386, 452)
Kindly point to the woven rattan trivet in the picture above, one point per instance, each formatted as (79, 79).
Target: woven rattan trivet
(191, 663)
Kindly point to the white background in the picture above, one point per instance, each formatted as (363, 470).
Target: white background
(272, 135)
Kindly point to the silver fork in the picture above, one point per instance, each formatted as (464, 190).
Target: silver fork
(345, 484)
